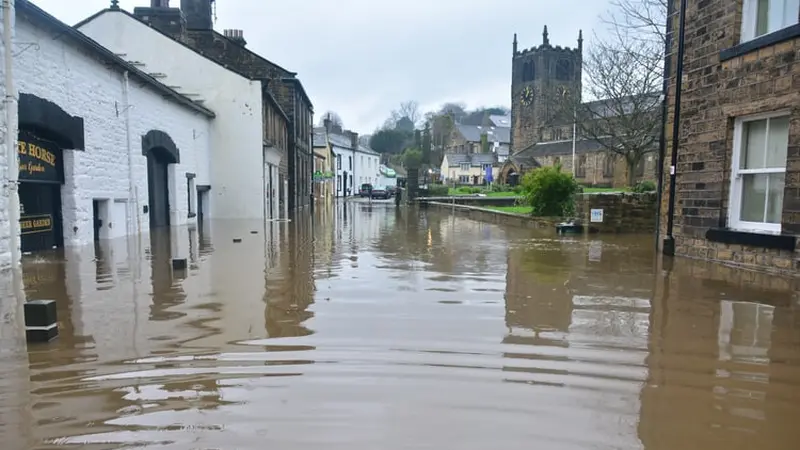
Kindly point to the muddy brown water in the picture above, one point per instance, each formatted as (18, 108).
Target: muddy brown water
(365, 327)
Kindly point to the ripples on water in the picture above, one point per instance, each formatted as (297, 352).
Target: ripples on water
(368, 328)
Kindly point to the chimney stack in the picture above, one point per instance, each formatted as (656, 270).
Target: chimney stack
(159, 3)
(198, 13)
(353, 138)
(236, 36)
(327, 124)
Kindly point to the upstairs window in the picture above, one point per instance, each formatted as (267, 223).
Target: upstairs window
(759, 170)
(465, 167)
(760, 17)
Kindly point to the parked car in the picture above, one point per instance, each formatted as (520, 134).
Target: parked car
(365, 189)
(381, 192)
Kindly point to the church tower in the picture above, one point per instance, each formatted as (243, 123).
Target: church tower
(540, 77)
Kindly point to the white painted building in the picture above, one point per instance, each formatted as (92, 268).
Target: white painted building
(105, 150)
(242, 165)
(6, 131)
(355, 164)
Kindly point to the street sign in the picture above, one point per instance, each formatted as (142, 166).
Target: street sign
(597, 216)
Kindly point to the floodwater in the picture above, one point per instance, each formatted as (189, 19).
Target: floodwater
(372, 328)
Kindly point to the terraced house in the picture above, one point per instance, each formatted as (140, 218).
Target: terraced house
(192, 26)
(737, 162)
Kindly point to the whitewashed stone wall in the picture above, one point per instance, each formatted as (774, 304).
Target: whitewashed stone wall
(82, 85)
(5, 229)
(237, 133)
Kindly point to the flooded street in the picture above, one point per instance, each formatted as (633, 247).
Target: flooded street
(372, 328)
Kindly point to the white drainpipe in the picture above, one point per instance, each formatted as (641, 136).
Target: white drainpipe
(12, 158)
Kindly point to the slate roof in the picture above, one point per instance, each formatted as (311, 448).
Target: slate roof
(343, 142)
(472, 133)
(320, 137)
(35, 13)
(501, 121)
(474, 159)
(557, 148)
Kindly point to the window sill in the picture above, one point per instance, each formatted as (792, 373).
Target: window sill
(760, 42)
(192, 215)
(752, 239)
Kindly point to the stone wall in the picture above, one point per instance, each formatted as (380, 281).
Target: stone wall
(622, 212)
(58, 71)
(498, 217)
(5, 227)
(724, 80)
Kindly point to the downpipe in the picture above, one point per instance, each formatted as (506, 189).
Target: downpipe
(662, 141)
(12, 157)
(668, 247)
(131, 183)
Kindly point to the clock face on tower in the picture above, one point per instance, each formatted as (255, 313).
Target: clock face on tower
(526, 97)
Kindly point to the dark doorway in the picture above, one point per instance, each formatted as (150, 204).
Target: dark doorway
(202, 204)
(344, 184)
(40, 218)
(158, 187)
(98, 223)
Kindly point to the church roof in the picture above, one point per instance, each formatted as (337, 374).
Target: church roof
(472, 133)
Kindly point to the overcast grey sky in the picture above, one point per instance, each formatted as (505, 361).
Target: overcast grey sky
(361, 58)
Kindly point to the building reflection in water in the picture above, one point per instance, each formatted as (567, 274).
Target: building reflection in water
(289, 292)
(723, 364)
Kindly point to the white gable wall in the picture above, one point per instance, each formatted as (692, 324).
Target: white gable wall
(236, 139)
(56, 70)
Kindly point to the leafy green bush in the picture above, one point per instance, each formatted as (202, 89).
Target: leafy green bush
(517, 189)
(644, 186)
(438, 190)
(412, 158)
(549, 192)
(475, 190)
(497, 187)
(464, 190)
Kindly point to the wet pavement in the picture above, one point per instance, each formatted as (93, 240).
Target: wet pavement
(368, 327)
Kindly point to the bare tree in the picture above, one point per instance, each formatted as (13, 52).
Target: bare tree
(334, 118)
(627, 80)
(646, 20)
(410, 109)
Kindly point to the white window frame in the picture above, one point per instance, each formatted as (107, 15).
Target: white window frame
(735, 200)
(750, 16)
(464, 167)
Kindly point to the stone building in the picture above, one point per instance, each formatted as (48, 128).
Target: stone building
(251, 185)
(542, 77)
(737, 177)
(470, 138)
(192, 25)
(105, 150)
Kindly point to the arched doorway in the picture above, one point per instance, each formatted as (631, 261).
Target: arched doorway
(160, 151)
(45, 130)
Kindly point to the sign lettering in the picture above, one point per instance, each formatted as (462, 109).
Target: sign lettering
(39, 160)
(36, 224)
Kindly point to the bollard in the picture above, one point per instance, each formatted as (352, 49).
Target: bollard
(41, 321)
(179, 264)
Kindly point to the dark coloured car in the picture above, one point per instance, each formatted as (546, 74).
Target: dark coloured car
(365, 189)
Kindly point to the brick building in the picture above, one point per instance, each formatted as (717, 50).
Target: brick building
(192, 24)
(737, 183)
(542, 77)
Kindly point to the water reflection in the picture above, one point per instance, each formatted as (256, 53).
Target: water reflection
(366, 326)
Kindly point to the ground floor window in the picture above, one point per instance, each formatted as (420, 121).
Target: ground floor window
(463, 179)
(758, 172)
